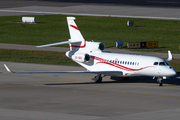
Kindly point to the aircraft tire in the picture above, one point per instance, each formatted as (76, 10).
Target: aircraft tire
(99, 79)
(160, 84)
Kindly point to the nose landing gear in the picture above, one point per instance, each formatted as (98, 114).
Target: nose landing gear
(159, 80)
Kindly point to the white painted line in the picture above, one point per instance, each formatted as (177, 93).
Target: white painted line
(83, 14)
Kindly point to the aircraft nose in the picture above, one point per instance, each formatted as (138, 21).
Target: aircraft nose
(172, 72)
(167, 72)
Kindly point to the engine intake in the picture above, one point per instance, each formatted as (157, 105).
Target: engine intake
(101, 46)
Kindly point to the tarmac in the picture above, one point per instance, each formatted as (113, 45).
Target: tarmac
(76, 96)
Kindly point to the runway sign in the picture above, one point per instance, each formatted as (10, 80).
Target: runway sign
(134, 45)
(143, 44)
(152, 44)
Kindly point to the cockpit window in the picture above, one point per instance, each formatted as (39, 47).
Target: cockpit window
(162, 63)
(167, 63)
(155, 63)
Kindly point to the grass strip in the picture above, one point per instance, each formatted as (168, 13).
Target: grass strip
(43, 57)
(53, 28)
(49, 57)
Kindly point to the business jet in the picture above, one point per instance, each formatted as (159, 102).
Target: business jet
(90, 55)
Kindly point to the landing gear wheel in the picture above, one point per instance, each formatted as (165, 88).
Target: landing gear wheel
(98, 78)
(159, 79)
(160, 84)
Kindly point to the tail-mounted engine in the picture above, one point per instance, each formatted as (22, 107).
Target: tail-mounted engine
(95, 46)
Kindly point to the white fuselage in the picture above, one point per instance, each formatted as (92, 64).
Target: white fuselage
(130, 65)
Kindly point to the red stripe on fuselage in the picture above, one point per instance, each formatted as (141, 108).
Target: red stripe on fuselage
(123, 67)
(118, 66)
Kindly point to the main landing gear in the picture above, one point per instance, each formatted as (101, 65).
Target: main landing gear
(98, 78)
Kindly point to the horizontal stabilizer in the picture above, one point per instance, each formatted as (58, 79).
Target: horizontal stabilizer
(59, 43)
(56, 72)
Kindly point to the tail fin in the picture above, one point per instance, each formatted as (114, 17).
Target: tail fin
(75, 34)
(76, 42)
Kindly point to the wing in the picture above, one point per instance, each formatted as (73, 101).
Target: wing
(109, 73)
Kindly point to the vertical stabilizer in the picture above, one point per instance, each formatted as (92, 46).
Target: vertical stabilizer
(77, 41)
(75, 34)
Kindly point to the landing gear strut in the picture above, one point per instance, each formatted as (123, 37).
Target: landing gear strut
(98, 78)
(159, 80)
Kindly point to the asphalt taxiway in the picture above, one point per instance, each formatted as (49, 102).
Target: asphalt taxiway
(149, 9)
(76, 96)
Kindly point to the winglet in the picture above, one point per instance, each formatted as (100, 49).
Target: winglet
(170, 57)
(8, 68)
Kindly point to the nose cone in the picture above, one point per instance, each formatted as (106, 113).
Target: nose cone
(171, 72)
(167, 72)
(174, 72)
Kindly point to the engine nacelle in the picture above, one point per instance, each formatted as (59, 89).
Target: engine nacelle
(81, 57)
(95, 46)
